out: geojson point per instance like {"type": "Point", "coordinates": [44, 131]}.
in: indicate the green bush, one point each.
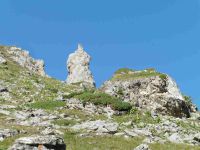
{"type": "Point", "coordinates": [98, 98]}
{"type": "Point", "coordinates": [163, 76]}
{"type": "Point", "coordinates": [71, 95]}
{"type": "Point", "coordinates": [48, 104]}
{"type": "Point", "coordinates": [188, 99]}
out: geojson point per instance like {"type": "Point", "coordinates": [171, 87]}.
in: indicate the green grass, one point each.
{"type": "Point", "coordinates": [115, 143]}
{"type": "Point", "coordinates": [137, 117]}
{"type": "Point", "coordinates": [190, 125]}
{"type": "Point", "coordinates": [124, 71]}
{"type": "Point", "coordinates": [128, 74]}
{"type": "Point", "coordinates": [83, 116]}
{"type": "Point", "coordinates": [171, 146]}
{"type": "Point", "coordinates": [99, 142]}
{"type": "Point", "coordinates": [48, 105]}
{"type": "Point", "coordinates": [98, 98]}
{"type": "Point", "coordinates": [4, 145]}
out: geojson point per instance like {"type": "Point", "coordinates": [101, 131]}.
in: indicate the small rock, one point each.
{"type": "Point", "coordinates": [130, 133]}
{"type": "Point", "coordinates": [142, 147]}
{"type": "Point", "coordinates": [197, 137]}
{"type": "Point", "coordinates": [175, 138]}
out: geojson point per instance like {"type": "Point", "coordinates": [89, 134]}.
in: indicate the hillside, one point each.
{"type": "Point", "coordinates": [134, 108]}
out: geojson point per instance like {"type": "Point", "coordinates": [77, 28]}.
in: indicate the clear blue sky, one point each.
{"type": "Point", "coordinates": [133, 33]}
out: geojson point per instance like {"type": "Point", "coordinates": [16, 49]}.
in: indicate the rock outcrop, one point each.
{"type": "Point", "coordinates": [49, 142]}
{"type": "Point", "coordinates": [78, 68]}
{"type": "Point", "coordinates": [148, 90]}
{"type": "Point", "coordinates": [25, 60]}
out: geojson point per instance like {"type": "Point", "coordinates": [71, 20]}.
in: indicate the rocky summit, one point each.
{"type": "Point", "coordinates": [134, 110]}
{"type": "Point", "coordinates": [149, 90]}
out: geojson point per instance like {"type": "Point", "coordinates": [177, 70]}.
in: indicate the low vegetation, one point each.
{"type": "Point", "coordinates": [102, 99]}
{"type": "Point", "coordinates": [74, 142]}
{"type": "Point", "coordinates": [127, 74]}
{"type": "Point", "coordinates": [48, 105]}
{"type": "Point", "coordinates": [137, 116]}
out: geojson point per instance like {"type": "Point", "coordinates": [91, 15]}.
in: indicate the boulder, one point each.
{"type": "Point", "coordinates": [49, 142]}
{"type": "Point", "coordinates": [5, 133]}
{"type": "Point", "coordinates": [78, 68]}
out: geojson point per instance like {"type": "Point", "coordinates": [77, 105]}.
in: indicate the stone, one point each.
{"type": "Point", "coordinates": [142, 147]}
{"type": "Point", "coordinates": [5, 133]}
{"type": "Point", "coordinates": [78, 68]}
{"type": "Point", "coordinates": [48, 142]}
{"type": "Point", "coordinates": [175, 138]}
{"type": "Point", "coordinates": [197, 137]}
{"type": "Point", "coordinates": [2, 60]}
{"type": "Point", "coordinates": [161, 95]}
{"type": "Point", "coordinates": [51, 131]}
{"type": "Point", "coordinates": [130, 133]}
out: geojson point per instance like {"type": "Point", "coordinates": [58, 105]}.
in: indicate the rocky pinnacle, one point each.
{"type": "Point", "coordinates": [78, 68]}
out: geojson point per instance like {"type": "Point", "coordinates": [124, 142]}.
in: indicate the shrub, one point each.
{"type": "Point", "coordinates": [48, 104]}
{"type": "Point", "coordinates": [188, 99]}
{"type": "Point", "coordinates": [163, 76]}
{"type": "Point", "coordinates": [71, 95]}
{"type": "Point", "coordinates": [133, 110]}
{"type": "Point", "coordinates": [98, 98]}
{"type": "Point", "coordinates": [151, 70]}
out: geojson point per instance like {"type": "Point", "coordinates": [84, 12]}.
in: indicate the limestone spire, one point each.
{"type": "Point", "coordinates": [80, 47]}
{"type": "Point", "coordinates": [78, 68]}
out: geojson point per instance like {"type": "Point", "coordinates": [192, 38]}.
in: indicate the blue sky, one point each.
{"type": "Point", "coordinates": [134, 33]}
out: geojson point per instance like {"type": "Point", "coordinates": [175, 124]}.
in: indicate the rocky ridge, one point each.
{"type": "Point", "coordinates": [23, 58]}
{"type": "Point", "coordinates": [149, 90]}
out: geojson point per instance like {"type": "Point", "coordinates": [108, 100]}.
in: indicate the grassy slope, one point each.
{"type": "Point", "coordinates": [24, 85]}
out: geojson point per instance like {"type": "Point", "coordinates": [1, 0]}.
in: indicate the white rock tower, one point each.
{"type": "Point", "coordinates": [78, 68]}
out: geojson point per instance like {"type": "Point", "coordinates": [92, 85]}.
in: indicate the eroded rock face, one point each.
{"type": "Point", "coordinates": [25, 60]}
{"type": "Point", "coordinates": [78, 68]}
{"type": "Point", "coordinates": [151, 93]}
{"type": "Point", "coordinates": [49, 142]}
